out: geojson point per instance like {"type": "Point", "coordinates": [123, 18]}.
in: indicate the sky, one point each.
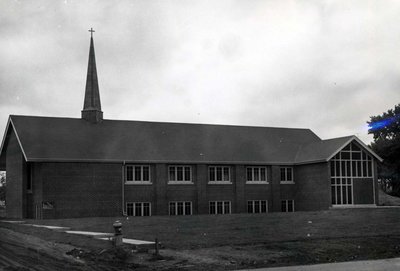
{"type": "Point", "coordinates": [323, 65]}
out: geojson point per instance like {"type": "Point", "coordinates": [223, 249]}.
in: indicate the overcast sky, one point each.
{"type": "Point", "coordinates": [323, 65]}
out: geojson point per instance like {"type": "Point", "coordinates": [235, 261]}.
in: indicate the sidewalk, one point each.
{"type": "Point", "coordinates": [372, 265]}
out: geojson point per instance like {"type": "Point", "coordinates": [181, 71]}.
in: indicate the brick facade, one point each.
{"type": "Point", "coordinates": [310, 190]}
{"type": "Point", "coordinates": [16, 179]}
{"type": "Point", "coordinates": [99, 189]}
{"type": "Point", "coordinates": [312, 187]}
{"type": "Point", "coordinates": [80, 189]}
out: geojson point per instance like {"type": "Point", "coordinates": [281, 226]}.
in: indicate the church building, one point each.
{"type": "Point", "coordinates": [90, 166]}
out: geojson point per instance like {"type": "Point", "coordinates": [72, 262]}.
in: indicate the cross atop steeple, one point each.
{"type": "Point", "coordinates": [92, 106]}
{"type": "Point", "coordinates": [91, 32]}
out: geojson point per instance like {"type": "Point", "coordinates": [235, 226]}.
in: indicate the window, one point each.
{"type": "Point", "coordinates": [256, 174]}
{"type": "Point", "coordinates": [138, 208]}
{"type": "Point", "coordinates": [180, 208]}
{"type": "Point", "coordinates": [257, 206]}
{"type": "Point", "coordinates": [350, 163]}
{"type": "Point", "coordinates": [180, 174]}
{"type": "Point", "coordinates": [219, 174]}
{"type": "Point", "coordinates": [137, 174]}
{"type": "Point", "coordinates": [287, 175]}
{"type": "Point", "coordinates": [288, 205]}
{"type": "Point", "coordinates": [220, 207]}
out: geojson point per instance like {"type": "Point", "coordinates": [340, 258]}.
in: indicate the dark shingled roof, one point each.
{"type": "Point", "coordinates": [69, 139]}
{"type": "Point", "coordinates": [321, 150]}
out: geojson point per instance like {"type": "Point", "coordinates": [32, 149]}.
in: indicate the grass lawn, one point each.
{"type": "Point", "coordinates": [202, 231]}
{"type": "Point", "coordinates": [227, 242]}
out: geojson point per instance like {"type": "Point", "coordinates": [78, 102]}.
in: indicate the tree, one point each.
{"type": "Point", "coordinates": [2, 185]}
{"type": "Point", "coordinates": [386, 131]}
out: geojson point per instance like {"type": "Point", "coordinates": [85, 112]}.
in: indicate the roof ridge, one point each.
{"type": "Point", "coordinates": [170, 122]}
{"type": "Point", "coordinates": [341, 137]}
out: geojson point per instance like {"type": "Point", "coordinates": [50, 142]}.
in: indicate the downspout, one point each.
{"type": "Point", "coordinates": [123, 188]}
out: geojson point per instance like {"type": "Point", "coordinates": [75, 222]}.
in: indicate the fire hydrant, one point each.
{"type": "Point", "coordinates": [117, 233]}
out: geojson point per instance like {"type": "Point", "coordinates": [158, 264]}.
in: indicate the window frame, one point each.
{"type": "Point", "coordinates": [253, 206]}
{"type": "Point", "coordinates": [142, 208]}
{"type": "Point", "coordinates": [285, 181]}
{"type": "Point", "coordinates": [353, 162]}
{"type": "Point", "coordinates": [259, 181]}
{"type": "Point", "coordinates": [361, 167]}
{"type": "Point", "coordinates": [287, 206]}
{"type": "Point", "coordinates": [137, 182]}
{"type": "Point", "coordinates": [215, 177]}
{"type": "Point", "coordinates": [216, 205]}
{"type": "Point", "coordinates": [176, 204]}
{"type": "Point", "coordinates": [190, 181]}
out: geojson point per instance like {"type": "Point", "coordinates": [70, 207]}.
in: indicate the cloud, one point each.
{"type": "Point", "coordinates": [324, 65]}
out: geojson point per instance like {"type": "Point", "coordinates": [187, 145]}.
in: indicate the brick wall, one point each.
{"type": "Point", "coordinates": [94, 189]}
{"type": "Point", "coordinates": [16, 174]}
{"type": "Point", "coordinates": [37, 190]}
{"type": "Point", "coordinates": [201, 185]}
{"type": "Point", "coordinates": [312, 187]}
{"type": "Point", "coordinates": [160, 196]}
{"type": "Point", "coordinates": [200, 193]}
{"type": "Point", "coordinates": [82, 189]}
{"type": "Point", "coordinates": [275, 202]}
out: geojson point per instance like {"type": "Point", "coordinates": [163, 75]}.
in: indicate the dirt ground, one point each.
{"type": "Point", "coordinates": [39, 250]}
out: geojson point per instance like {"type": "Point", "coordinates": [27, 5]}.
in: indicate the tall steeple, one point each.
{"type": "Point", "coordinates": [92, 106]}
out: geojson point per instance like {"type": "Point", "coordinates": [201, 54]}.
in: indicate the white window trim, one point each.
{"type": "Point", "coordinates": [138, 183]}
{"type": "Point", "coordinates": [176, 208]}
{"type": "Point", "coordinates": [358, 161]}
{"type": "Point", "coordinates": [180, 182]}
{"type": "Point", "coordinates": [133, 182]}
{"type": "Point", "coordinates": [219, 182]}
{"type": "Point", "coordinates": [176, 172]}
{"type": "Point", "coordinates": [134, 207]}
{"type": "Point", "coordinates": [253, 206]}
{"type": "Point", "coordinates": [287, 182]}
{"type": "Point", "coordinates": [257, 182]}
{"type": "Point", "coordinates": [215, 175]}
{"type": "Point", "coordinates": [223, 207]}
{"type": "Point", "coordinates": [287, 205]}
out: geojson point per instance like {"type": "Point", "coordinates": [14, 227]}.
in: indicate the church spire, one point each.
{"type": "Point", "coordinates": [92, 107]}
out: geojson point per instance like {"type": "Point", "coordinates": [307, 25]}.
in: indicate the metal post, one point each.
{"type": "Point", "coordinates": [156, 247]}
{"type": "Point", "coordinates": [117, 233]}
